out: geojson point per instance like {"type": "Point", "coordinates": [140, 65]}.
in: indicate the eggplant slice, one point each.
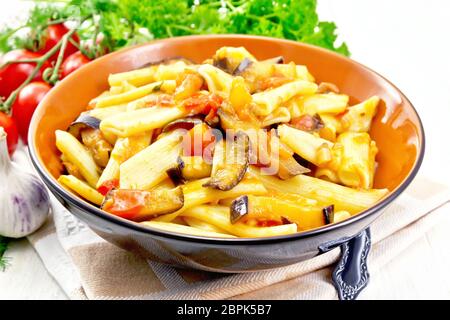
{"type": "Point", "coordinates": [275, 60]}
{"type": "Point", "coordinates": [175, 173]}
{"type": "Point", "coordinates": [238, 208]}
{"type": "Point", "coordinates": [185, 123]}
{"type": "Point", "coordinates": [150, 203]}
{"type": "Point", "coordinates": [82, 122]}
{"type": "Point", "coordinates": [242, 67]}
{"type": "Point", "coordinates": [328, 214]}
{"type": "Point", "coordinates": [289, 168]}
{"type": "Point", "coordinates": [231, 168]}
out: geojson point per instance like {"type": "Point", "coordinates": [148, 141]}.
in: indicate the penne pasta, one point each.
{"type": "Point", "coordinates": [359, 117]}
{"type": "Point", "coordinates": [113, 100]}
{"type": "Point", "coordinates": [173, 227]}
{"type": "Point", "coordinates": [303, 143]}
{"type": "Point", "coordinates": [136, 77]}
{"type": "Point", "coordinates": [195, 167]}
{"type": "Point", "coordinates": [148, 167]}
{"type": "Point", "coordinates": [303, 73]}
{"type": "Point", "coordinates": [81, 188]}
{"type": "Point", "coordinates": [134, 122]}
{"type": "Point", "coordinates": [325, 192]}
{"type": "Point", "coordinates": [325, 103]}
{"type": "Point", "coordinates": [103, 113]}
{"type": "Point", "coordinates": [220, 217]}
{"type": "Point", "coordinates": [195, 194]}
{"type": "Point", "coordinates": [358, 160]}
{"type": "Point", "coordinates": [268, 101]}
{"type": "Point", "coordinates": [276, 209]}
{"type": "Point", "coordinates": [216, 79]}
{"type": "Point", "coordinates": [200, 224]}
{"type": "Point", "coordinates": [279, 115]}
{"type": "Point", "coordinates": [78, 155]}
{"type": "Point", "coordinates": [123, 150]}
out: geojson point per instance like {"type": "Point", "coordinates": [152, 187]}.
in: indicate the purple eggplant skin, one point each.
{"type": "Point", "coordinates": [222, 64]}
{"type": "Point", "coordinates": [175, 173]}
{"type": "Point", "coordinates": [227, 177]}
{"type": "Point", "coordinates": [238, 209]}
{"type": "Point", "coordinates": [242, 66]}
{"type": "Point", "coordinates": [328, 214]}
{"type": "Point", "coordinates": [82, 122]}
{"type": "Point", "coordinates": [184, 123]}
{"type": "Point", "coordinates": [275, 60]}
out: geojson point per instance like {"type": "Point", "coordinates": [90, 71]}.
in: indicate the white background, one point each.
{"type": "Point", "coordinates": [406, 41]}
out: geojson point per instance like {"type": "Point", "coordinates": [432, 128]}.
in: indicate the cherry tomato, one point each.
{"type": "Point", "coordinates": [11, 131]}
{"type": "Point", "coordinates": [53, 34]}
{"type": "Point", "coordinates": [27, 101]}
{"type": "Point", "coordinates": [13, 75]}
{"type": "Point", "coordinates": [107, 186]}
{"type": "Point", "coordinates": [72, 63]}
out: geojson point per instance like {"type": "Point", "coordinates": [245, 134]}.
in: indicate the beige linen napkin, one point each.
{"type": "Point", "coordinates": [87, 267]}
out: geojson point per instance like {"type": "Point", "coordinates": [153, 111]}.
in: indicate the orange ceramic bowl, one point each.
{"type": "Point", "coordinates": [397, 130]}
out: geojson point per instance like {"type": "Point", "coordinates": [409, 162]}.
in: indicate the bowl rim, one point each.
{"type": "Point", "coordinates": [85, 206]}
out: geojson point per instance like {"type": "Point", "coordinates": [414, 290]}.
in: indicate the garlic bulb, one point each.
{"type": "Point", "coordinates": [24, 201]}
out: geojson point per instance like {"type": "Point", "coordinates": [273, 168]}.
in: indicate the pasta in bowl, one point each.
{"type": "Point", "coordinates": [229, 159]}
{"type": "Point", "coordinates": [231, 147]}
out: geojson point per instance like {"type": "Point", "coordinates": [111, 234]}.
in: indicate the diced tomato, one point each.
{"type": "Point", "coordinates": [199, 142]}
{"type": "Point", "coordinates": [108, 185]}
{"type": "Point", "coordinates": [201, 103]}
{"type": "Point", "coordinates": [272, 82]}
{"type": "Point", "coordinates": [307, 122]}
{"type": "Point", "coordinates": [126, 204]}
{"type": "Point", "coordinates": [162, 100]}
{"type": "Point", "coordinates": [268, 223]}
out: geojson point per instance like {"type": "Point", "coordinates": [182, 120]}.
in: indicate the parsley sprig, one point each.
{"type": "Point", "coordinates": [4, 261]}
{"type": "Point", "coordinates": [114, 24]}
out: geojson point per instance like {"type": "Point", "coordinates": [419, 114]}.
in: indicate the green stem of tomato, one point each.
{"type": "Point", "coordinates": [62, 44]}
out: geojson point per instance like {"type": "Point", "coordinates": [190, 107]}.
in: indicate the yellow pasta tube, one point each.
{"type": "Point", "coordinates": [103, 113]}
{"type": "Point", "coordinates": [220, 217]}
{"type": "Point", "coordinates": [148, 167]}
{"type": "Point", "coordinates": [269, 100]}
{"type": "Point", "coordinates": [303, 143]}
{"type": "Point", "coordinates": [78, 155]}
{"type": "Point", "coordinates": [173, 227]}
{"type": "Point", "coordinates": [303, 73]}
{"type": "Point", "coordinates": [341, 216]}
{"type": "Point", "coordinates": [170, 71]}
{"type": "Point", "coordinates": [325, 192]}
{"type": "Point", "coordinates": [195, 167]}
{"type": "Point", "coordinates": [136, 77]}
{"type": "Point", "coordinates": [166, 86]}
{"type": "Point", "coordinates": [288, 70]}
{"type": "Point", "coordinates": [325, 103]}
{"type": "Point", "coordinates": [357, 165]}
{"type": "Point", "coordinates": [81, 188]}
{"type": "Point", "coordinates": [123, 150]}
{"type": "Point", "coordinates": [138, 121]}
{"type": "Point", "coordinates": [216, 79]}
{"type": "Point", "coordinates": [274, 208]}
{"type": "Point", "coordinates": [327, 174]}
{"type": "Point", "coordinates": [195, 194]}
{"type": "Point", "coordinates": [359, 117]}
{"type": "Point", "coordinates": [200, 224]}
{"type": "Point", "coordinates": [279, 115]}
